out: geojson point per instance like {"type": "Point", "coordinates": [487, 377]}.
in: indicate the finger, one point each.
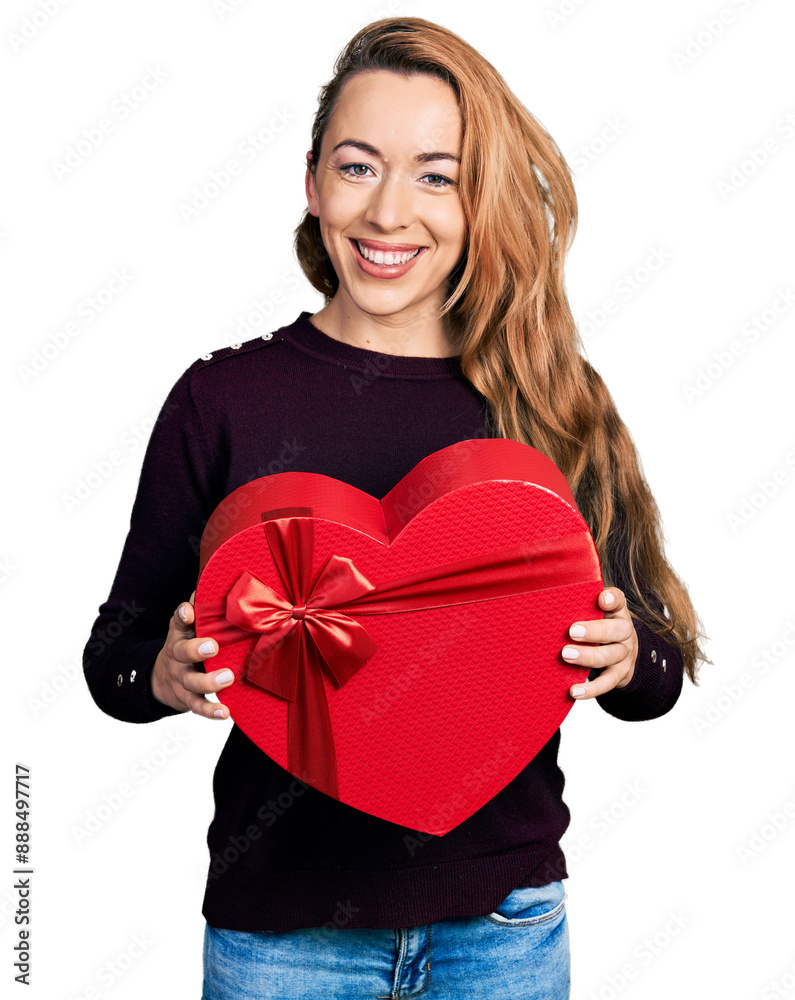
{"type": "Point", "coordinates": [594, 656]}
{"type": "Point", "coordinates": [183, 616]}
{"type": "Point", "coordinates": [612, 599]}
{"type": "Point", "coordinates": [200, 705]}
{"type": "Point", "coordinates": [197, 681]}
{"type": "Point", "coordinates": [606, 681]}
{"type": "Point", "coordinates": [194, 649]}
{"type": "Point", "coordinates": [602, 630]}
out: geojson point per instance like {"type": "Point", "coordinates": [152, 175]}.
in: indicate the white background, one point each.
{"type": "Point", "coordinates": [698, 840]}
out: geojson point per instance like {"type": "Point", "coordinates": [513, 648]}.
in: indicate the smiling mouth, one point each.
{"type": "Point", "coordinates": [386, 258]}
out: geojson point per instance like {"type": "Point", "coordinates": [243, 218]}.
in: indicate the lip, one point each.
{"type": "Point", "coordinates": [380, 270]}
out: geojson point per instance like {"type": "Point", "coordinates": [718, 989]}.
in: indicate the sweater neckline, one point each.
{"type": "Point", "coordinates": [308, 338]}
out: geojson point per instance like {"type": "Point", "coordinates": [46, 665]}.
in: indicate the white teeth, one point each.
{"type": "Point", "coordinates": [385, 259]}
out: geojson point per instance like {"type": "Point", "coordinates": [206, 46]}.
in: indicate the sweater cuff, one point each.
{"type": "Point", "coordinates": [126, 693]}
{"type": "Point", "coordinates": [656, 681]}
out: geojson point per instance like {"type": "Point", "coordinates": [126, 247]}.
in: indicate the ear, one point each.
{"type": "Point", "coordinates": [311, 189]}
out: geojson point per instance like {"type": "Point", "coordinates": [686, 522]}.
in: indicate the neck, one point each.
{"type": "Point", "coordinates": [419, 332]}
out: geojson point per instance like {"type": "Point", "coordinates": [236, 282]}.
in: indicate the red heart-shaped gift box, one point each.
{"type": "Point", "coordinates": [401, 655]}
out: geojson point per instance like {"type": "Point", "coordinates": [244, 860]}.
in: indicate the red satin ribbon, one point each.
{"type": "Point", "coordinates": [315, 629]}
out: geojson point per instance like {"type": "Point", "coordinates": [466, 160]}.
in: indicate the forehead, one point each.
{"type": "Point", "coordinates": [391, 110]}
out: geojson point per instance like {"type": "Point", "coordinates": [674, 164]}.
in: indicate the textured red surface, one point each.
{"type": "Point", "coordinates": [456, 701]}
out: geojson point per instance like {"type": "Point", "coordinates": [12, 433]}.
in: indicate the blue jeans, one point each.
{"type": "Point", "coordinates": [519, 950]}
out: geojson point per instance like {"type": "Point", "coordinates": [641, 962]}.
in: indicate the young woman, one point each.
{"type": "Point", "coordinates": [439, 215]}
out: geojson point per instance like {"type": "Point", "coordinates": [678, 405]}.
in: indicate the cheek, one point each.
{"type": "Point", "coordinates": [340, 204]}
{"type": "Point", "coordinates": [451, 227]}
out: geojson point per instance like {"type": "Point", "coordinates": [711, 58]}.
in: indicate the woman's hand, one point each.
{"type": "Point", "coordinates": [618, 650]}
{"type": "Point", "coordinates": [176, 680]}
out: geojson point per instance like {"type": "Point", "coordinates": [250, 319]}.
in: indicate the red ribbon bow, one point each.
{"type": "Point", "coordinates": [307, 632]}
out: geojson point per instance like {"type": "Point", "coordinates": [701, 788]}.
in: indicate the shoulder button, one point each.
{"type": "Point", "coordinates": [241, 346]}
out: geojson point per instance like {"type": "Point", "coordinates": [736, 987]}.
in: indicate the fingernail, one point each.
{"type": "Point", "coordinates": [608, 597]}
{"type": "Point", "coordinates": [570, 653]}
{"type": "Point", "coordinates": [577, 631]}
{"type": "Point", "coordinates": [181, 612]}
{"type": "Point", "coordinates": [219, 713]}
{"type": "Point", "coordinates": [224, 677]}
{"type": "Point", "coordinates": [208, 646]}
{"type": "Point", "coordinates": [578, 690]}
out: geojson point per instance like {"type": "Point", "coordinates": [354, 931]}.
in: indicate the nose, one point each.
{"type": "Point", "coordinates": [391, 204]}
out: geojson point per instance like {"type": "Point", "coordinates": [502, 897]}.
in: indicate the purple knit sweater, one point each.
{"type": "Point", "coordinates": [281, 854]}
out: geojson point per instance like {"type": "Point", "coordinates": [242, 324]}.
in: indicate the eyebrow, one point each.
{"type": "Point", "coordinates": [419, 158]}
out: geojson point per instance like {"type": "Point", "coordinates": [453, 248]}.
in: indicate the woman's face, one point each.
{"type": "Point", "coordinates": [387, 184]}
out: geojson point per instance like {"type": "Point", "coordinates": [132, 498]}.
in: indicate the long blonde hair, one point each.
{"type": "Point", "coordinates": [508, 313]}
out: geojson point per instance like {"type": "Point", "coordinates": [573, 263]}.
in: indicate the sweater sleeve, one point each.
{"type": "Point", "coordinates": [158, 567]}
{"type": "Point", "coordinates": [656, 683]}
{"type": "Point", "coordinates": [657, 680]}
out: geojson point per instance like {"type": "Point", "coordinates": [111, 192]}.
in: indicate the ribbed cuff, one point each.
{"type": "Point", "coordinates": [125, 692]}
{"type": "Point", "coordinates": [655, 684]}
